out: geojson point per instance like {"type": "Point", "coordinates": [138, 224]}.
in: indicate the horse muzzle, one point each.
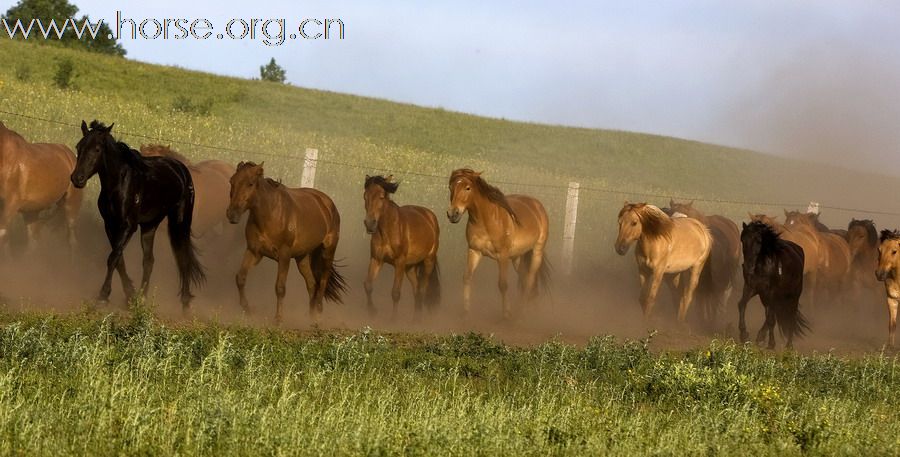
{"type": "Point", "coordinates": [371, 226]}
{"type": "Point", "coordinates": [233, 215]}
{"type": "Point", "coordinates": [78, 181]}
{"type": "Point", "coordinates": [881, 275]}
{"type": "Point", "coordinates": [454, 215]}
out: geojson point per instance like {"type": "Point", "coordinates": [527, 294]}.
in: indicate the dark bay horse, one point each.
{"type": "Point", "coordinates": [287, 224]}
{"type": "Point", "coordinates": [773, 269]}
{"type": "Point", "coordinates": [721, 269]}
{"type": "Point", "coordinates": [665, 245]}
{"type": "Point", "coordinates": [834, 253]}
{"type": "Point", "coordinates": [862, 238]}
{"type": "Point", "coordinates": [805, 237]}
{"type": "Point", "coordinates": [139, 192]}
{"type": "Point", "coordinates": [211, 186]}
{"type": "Point", "coordinates": [34, 177]}
{"type": "Point", "coordinates": [403, 236]}
{"type": "Point", "coordinates": [888, 271]}
{"type": "Point", "coordinates": [511, 229]}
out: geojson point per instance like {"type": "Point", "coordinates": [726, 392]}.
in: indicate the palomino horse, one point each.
{"type": "Point", "coordinates": [665, 245]}
{"type": "Point", "coordinates": [718, 277]}
{"type": "Point", "coordinates": [139, 192]}
{"type": "Point", "coordinates": [287, 224]}
{"type": "Point", "coordinates": [834, 252]}
{"type": "Point", "coordinates": [34, 177]}
{"type": "Point", "coordinates": [405, 237]}
{"type": "Point", "coordinates": [804, 237]}
{"type": "Point", "coordinates": [508, 228]}
{"type": "Point", "coordinates": [210, 186]}
{"type": "Point", "coordinates": [863, 240]}
{"type": "Point", "coordinates": [773, 269]}
{"type": "Point", "coordinates": [888, 271]}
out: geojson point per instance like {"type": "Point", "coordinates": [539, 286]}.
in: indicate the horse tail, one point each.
{"type": "Point", "coordinates": [336, 285]}
{"type": "Point", "coordinates": [791, 321]}
{"type": "Point", "coordinates": [433, 294]}
{"type": "Point", "coordinates": [190, 271]}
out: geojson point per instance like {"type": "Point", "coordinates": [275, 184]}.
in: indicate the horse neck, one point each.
{"type": "Point", "coordinates": [481, 209]}
{"type": "Point", "coordinates": [111, 165]}
{"type": "Point", "coordinates": [390, 217]}
{"type": "Point", "coordinates": [265, 202]}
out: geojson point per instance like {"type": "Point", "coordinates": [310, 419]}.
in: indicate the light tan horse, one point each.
{"type": "Point", "coordinates": [34, 177]}
{"type": "Point", "coordinates": [210, 187]}
{"type": "Point", "coordinates": [511, 229]}
{"type": "Point", "coordinates": [834, 252]}
{"type": "Point", "coordinates": [888, 271]}
{"type": "Point", "coordinates": [718, 278]}
{"type": "Point", "coordinates": [804, 237]}
{"type": "Point", "coordinates": [665, 245]}
{"type": "Point", "coordinates": [406, 237]}
{"type": "Point", "coordinates": [285, 224]}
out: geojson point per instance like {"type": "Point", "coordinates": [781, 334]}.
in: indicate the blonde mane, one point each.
{"type": "Point", "coordinates": [654, 222]}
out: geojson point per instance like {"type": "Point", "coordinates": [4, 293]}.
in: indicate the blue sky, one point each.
{"type": "Point", "coordinates": [815, 79]}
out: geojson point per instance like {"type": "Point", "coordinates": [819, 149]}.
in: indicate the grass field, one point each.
{"type": "Point", "coordinates": [89, 386]}
{"type": "Point", "coordinates": [95, 384]}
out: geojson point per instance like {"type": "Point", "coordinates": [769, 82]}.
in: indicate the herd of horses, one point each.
{"type": "Point", "coordinates": [702, 255]}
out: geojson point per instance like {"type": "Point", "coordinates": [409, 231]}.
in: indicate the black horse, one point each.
{"type": "Point", "coordinates": [773, 269]}
{"type": "Point", "coordinates": [138, 191]}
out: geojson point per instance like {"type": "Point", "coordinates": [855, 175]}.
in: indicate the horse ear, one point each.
{"type": "Point", "coordinates": [259, 168]}
{"type": "Point", "coordinates": [478, 173]}
{"type": "Point", "coordinates": [84, 127]}
{"type": "Point", "coordinates": [691, 204]}
{"type": "Point", "coordinates": [744, 224]}
{"type": "Point", "coordinates": [750, 214]}
{"type": "Point", "coordinates": [109, 129]}
{"type": "Point", "coordinates": [671, 203]}
{"type": "Point", "coordinates": [785, 213]}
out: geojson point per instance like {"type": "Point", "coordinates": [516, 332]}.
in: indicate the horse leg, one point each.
{"type": "Point", "coordinates": [148, 235]}
{"type": "Point", "coordinates": [428, 267]}
{"type": "Point", "coordinates": [688, 294]}
{"type": "Point", "coordinates": [503, 285]}
{"type": "Point", "coordinates": [399, 271]}
{"type": "Point", "coordinates": [649, 291]}
{"type": "Point", "coordinates": [250, 260]}
{"type": "Point", "coordinates": [418, 296]}
{"type": "Point", "coordinates": [71, 206]}
{"type": "Point", "coordinates": [810, 283]}
{"type": "Point", "coordinates": [471, 264]}
{"type": "Point", "coordinates": [374, 269]}
{"type": "Point", "coordinates": [892, 318]}
{"type": "Point", "coordinates": [284, 264]}
{"type": "Point", "coordinates": [33, 225]}
{"type": "Point", "coordinates": [305, 269]}
{"type": "Point", "coordinates": [117, 240]}
{"type": "Point", "coordinates": [768, 324]}
{"type": "Point", "coordinates": [742, 308]}
{"type": "Point", "coordinates": [537, 261]}
{"type": "Point", "coordinates": [10, 207]}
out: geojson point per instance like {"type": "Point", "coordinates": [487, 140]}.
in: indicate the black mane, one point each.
{"type": "Point", "coordinates": [869, 227]}
{"type": "Point", "coordinates": [768, 236]}
{"type": "Point", "coordinates": [388, 186]}
{"type": "Point", "coordinates": [131, 156]}
{"type": "Point", "coordinates": [889, 235]}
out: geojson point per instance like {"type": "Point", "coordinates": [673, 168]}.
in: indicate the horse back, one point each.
{"type": "Point", "coordinates": [789, 268]}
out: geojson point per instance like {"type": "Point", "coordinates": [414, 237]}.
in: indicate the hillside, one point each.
{"type": "Point", "coordinates": [179, 106]}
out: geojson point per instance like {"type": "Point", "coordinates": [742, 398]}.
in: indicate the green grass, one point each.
{"type": "Point", "coordinates": [82, 385]}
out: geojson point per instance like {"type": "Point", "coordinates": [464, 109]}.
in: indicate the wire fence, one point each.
{"type": "Point", "coordinates": [599, 190]}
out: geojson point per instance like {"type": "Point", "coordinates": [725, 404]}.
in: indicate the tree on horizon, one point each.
{"type": "Point", "coordinates": [61, 11]}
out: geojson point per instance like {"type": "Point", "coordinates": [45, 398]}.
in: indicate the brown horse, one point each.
{"type": "Point", "coordinates": [888, 271]}
{"type": "Point", "coordinates": [834, 252]}
{"type": "Point", "coordinates": [719, 273]}
{"type": "Point", "coordinates": [405, 237]}
{"type": "Point", "coordinates": [806, 238]}
{"type": "Point", "coordinates": [507, 228]}
{"type": "Point", "coordinates": [287, 224]}
{"type": "Point", "coordinates": [210, 187]}
{"type": "Point", "coordinates": [665, 245]}
{"type": "Point", "coordinates": [863, 240]}
{"type": "Point", "coordinates": [34, 177]}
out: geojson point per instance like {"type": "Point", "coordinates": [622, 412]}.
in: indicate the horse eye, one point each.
{"type": "Point", "coordinates": [468, 188]}
{"type": "Point", "coordinates": [633, 224]}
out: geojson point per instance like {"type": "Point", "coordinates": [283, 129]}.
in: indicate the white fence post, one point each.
{"type": "Point", "coordinates": [569, 229]}
{"type": "Point", "coordinates": [309, 168]}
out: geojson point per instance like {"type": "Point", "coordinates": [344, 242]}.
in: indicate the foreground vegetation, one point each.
{"type": "Point", "coordinates": [93, 385]}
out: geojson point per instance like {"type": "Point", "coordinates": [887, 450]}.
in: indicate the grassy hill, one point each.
{"type": "Point", "coordinates": [179, 106]}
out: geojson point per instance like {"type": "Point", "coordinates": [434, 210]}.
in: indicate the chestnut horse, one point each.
{"type": "Point", "coordinates": [34, 177]}
{"type": "Point", "coordinates": [834, 252]}
{"type": "Point", "coordinates": [210, 185]}
{"type": "Point", "coordinates": [863, 240]}
{"type": "Point", "coordinates": [665, 245]}
{"type": "Point", "coordinates": [507, 228]}
{"type": "Point", "coordinates": [719, 274]}
{"type": "Point", "coordinates": [806, 238]}
{"type": "Point", "coordinates": [888, 271]}
{"type": "Point", "coordinates": [287, 224]}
